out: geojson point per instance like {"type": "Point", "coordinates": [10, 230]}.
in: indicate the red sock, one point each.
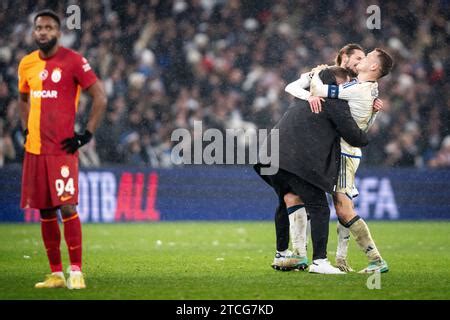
{"type": "Point", "coordinates": [72, 234]}
{"type": "Point", "coordinates": [52, 239]}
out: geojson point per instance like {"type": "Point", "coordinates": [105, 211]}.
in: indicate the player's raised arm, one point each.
{"type": "Point", "coordinates": [298, 87]}
{"type": "Point", "coordinates": [319, 89]}
{"type": "Point", "coordinates": [298, 90]}
{"type": "Point", "coordinates": [352, 90]}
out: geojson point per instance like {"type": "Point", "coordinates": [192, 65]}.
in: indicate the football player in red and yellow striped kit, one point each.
{"type": "Point", "coordinates": [50, 81]}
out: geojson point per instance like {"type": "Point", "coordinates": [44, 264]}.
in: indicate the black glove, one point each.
{"type": "Point", "coordinates": [71, 145]}
{"type": "Point", "coordinates": [25, 135]}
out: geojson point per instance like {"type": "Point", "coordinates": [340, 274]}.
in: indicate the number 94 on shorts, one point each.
{"type": "Point", "coordinates": [49, 181]}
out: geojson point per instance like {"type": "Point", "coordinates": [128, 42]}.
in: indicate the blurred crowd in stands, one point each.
{"type": "Point", "coordinates": [165, 64]}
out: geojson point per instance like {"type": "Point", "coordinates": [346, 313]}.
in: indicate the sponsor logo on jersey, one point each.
{"type": "Point", "coordinates": [43, 74]}
{"type": "Point", "coordinates": [56, 75]}
{"type": "Point", "coordinates": [53, 94]}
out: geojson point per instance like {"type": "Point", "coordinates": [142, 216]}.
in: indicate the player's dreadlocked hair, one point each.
{"type": "Point", "coordinates": [348, 50]}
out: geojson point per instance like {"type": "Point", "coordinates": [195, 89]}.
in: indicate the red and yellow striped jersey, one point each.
{"type": "Point", "coordinates": [53, 86]}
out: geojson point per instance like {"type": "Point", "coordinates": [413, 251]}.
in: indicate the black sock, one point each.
{"type": "Point", "coordinates": [282, 227]}
{"type": "Point", "coordinates": [352, 221]}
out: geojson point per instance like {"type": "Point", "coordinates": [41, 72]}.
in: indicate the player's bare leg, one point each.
{"type": "Point", "coordinates": [359, 229]}
{"type": "Point", "coordinates": [72, 235]}
{"type": "Point", "coordinates": [52, 238]}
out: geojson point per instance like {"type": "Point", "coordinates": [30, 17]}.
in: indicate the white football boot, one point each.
{"type": "Point", "coordinates": [323, 266]}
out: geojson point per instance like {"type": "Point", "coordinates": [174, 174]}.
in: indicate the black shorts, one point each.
{"type": "Point", "coordinates": [284, 182]}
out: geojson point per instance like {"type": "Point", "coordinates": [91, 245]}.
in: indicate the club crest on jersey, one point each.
{"type": "Point", "coordinates": [65, 172]}
{"type": "Point", "coordinates": [43, 74]}
{"type": "Point", "coordinates": [56, 75]}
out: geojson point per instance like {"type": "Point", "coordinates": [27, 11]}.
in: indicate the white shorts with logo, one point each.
{"type": "Point", "coordinates": [347, 173]}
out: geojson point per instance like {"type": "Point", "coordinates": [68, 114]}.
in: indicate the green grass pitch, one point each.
{"type": "Point", "coordinates": [221, 261]}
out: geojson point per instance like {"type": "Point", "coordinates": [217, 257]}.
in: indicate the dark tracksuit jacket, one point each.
{"type": "Point", "coordinates": [309, 149]}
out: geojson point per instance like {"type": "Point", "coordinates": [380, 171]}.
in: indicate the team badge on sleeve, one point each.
{"type": "Point", "coordinates": [86, 66]}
